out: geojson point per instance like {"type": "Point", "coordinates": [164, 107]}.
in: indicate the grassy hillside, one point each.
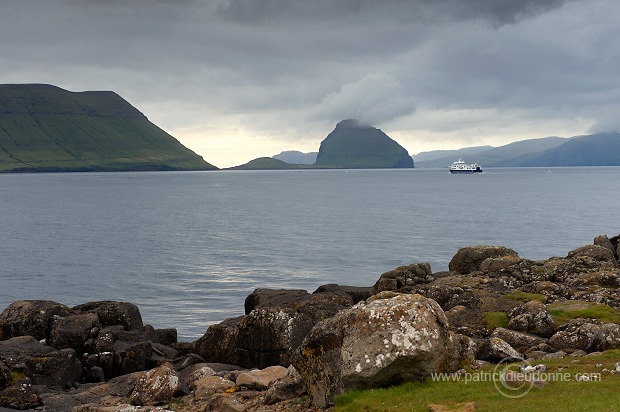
{"type": "Point", "coordinates": [352, 145]}
{"type": "Point", "coordinates": [45, 128]}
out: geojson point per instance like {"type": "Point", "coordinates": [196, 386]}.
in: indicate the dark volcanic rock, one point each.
{"type": "Point", "coordinates": [73, 331]}
{"type": "Point", "coordinates": [469, 259]}
{"type": "Point", "coordinates": [263, 298]}
{"type": "Point", "coordinates": [42, 364]}
{"type": "Point", "coordinates": [268, 335]}
{"type": "Point", "coordinates": [114, 313]}
{"type": "Point", "coordinates": [357, 293]}
{"type": "Point", "coordinates": [30, 317]}
{"type": "Point", "coordinates": [404, 276]}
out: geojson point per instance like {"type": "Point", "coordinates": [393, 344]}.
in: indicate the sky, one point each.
{"type": "Point", "coordinates": [234, 80]}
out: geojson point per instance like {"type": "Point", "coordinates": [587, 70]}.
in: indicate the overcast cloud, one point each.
{"type": "Point", "coordinates": [238, 79]}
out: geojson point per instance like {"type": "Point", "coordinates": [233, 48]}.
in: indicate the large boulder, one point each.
{"type": "Point", "coordinates": [520, 341]}
{"type": "Point", "coordinates": [269, 298]}
{"type": "Point", "coordinates": [532, 317]}
{"type": "Point", "coordinates": [469, 259]}
{"type": "Point", "coordinates": [596, 252]}
{"type": "Point", "coordinates": [73, 331]}
{"type": "Point", "coordinates": [588, 335]}
{"type": "Point", "coordinates": [31, 317]}
{"type": "Point", "coordinates": [603, 240]}
{"type": "Point", "coordinates": [404, 276]}
{"type": "Point", "coordinates": [112, 313]}
{"type": "Point", "coordinates": [496, 350]}
{"type": "Point", "coordinates": [156, 386]}
{"type": "Point", "coordinates": [379, 342]}
{"type": "Point", "coordinates": [268, 335]}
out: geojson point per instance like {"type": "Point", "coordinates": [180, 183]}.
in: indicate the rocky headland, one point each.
{"type": "Point", "coordinates": [296, 351]}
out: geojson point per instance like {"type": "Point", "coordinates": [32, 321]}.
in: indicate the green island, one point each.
{"type": "Point", "coordinates": [44, 128]}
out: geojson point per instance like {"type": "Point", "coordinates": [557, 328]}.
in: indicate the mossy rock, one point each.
{"type": "Point", "coordinates": [494, 320]}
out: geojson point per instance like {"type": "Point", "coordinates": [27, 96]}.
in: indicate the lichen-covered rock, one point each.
{"type": "Point", "coordinates": [30, 318]}
{"type": "Point", "coordinates": [112, 313]}
{"type": "Point", "coordinates": [532, 317]}
{"type": "Point", "coordinates": [208, 385]}
{"type": "Point", "coordinates": [603, 241]}
{"type": "Point", "coordinates": [469, 259]}
{"type": "Point", "coordinates": [290, 386]}
{"type": "Point", "coordinates": [607, 296]}
{"type": "Point", "coordinates": [156, 386]}
{"type": "Point", "coordinates": [403, 276]}
{"type": "Point", "coordinates": [586, 334]}
{"type": "Point", "coordinates": [192, 373]}
{"type": "Point", "coordinates": [221, 402]}
{"type": "Point", "coordinates": [596, 252]}
{"type": "Point", "coordinates": [518, 269]}
{"type": "Point", "coordinates": [376, 343]}
{"type": "Point", "coordinates": [520, 341]}
{"type": "Point", "coordinates": [260, 379]}
{"type": "Point", "coordinates": [496, 350]}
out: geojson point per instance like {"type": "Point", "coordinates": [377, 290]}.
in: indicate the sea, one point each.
{"type": "Point", "coordinates": [188, 247]}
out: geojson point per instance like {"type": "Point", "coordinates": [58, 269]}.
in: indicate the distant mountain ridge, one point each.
{"type": "Point", "coordinates": [600, 149]}
{"type": "Point", "coordinates": [494, 156]}
{"type": "Point", "coordinates": [46, 128]}
{"type": "Point", "coordinates": [296, 157]}
{"type": "Point", "coordinates": [442, 154]}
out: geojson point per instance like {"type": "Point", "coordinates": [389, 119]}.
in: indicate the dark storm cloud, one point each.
{"type": "Point", "coordinates": [495, 11]}
{"type": "Point", "coordinates": [290, 66]}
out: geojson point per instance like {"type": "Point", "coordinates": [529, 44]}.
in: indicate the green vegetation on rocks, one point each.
{"type": "Point", "coordinates": [564, 311]}
{"type": "Point", "coordinates": [44, 128]}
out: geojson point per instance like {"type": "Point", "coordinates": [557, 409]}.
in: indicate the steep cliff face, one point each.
{"type": "Point", "coordinates": [353, 144]}
{"type": "Point", "coordinates": [46, 128]}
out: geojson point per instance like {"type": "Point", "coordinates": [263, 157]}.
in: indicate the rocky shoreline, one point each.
{"type": "Point", "coordinates": [295, 351]}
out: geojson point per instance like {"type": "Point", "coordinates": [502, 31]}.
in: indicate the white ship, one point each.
{"type": "Point", "coordinates": [465, 168]}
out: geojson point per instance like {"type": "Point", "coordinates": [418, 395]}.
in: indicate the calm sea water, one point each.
{"type": "Point", "coordinates": [187, 248]}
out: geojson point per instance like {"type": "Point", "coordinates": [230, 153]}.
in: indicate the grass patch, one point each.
{"type": "Point", "coordinates": [567, 395]}
{"type": "Point", "coordinates": [524, 297]}
{"type": "Point", "coordinates": [493, 320]}
{"type": "Point", "coordinates": [564, 311]}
